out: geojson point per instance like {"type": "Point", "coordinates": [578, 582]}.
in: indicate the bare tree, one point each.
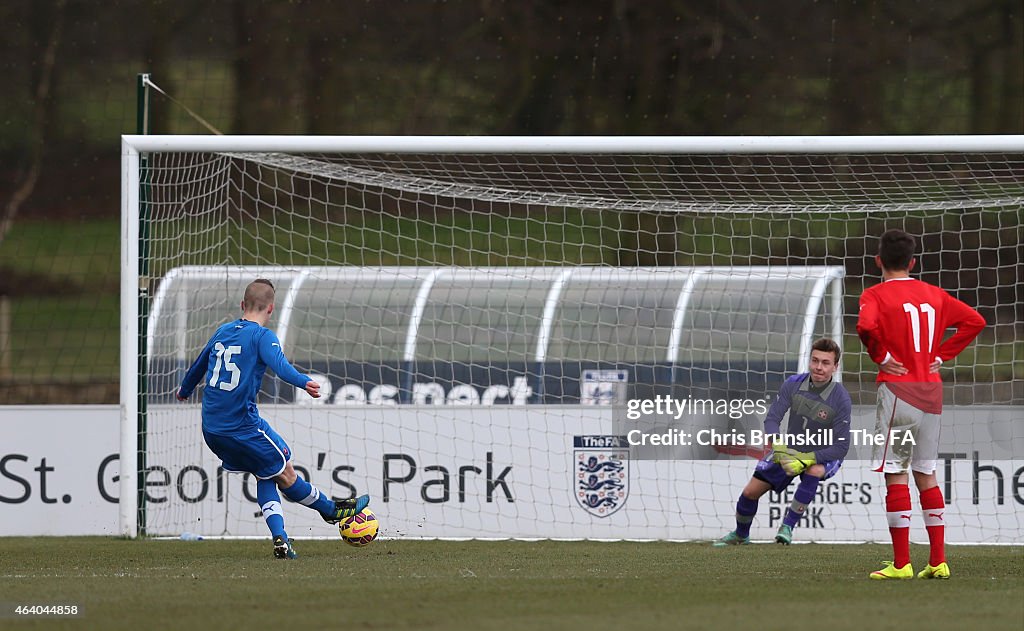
{"type": "Point", "coordinates": [41, 107]}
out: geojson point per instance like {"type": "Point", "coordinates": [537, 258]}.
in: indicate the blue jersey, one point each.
{"type": "Point", "coordinates": [811, 411]}
{"type": "Point", "coordinates": [232, 365]}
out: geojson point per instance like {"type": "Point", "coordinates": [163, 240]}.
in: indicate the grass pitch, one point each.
{"type": "Point", "coordinates": [499, 585]}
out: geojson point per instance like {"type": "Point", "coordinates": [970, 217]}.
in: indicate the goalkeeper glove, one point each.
{"type": "Point", "coordinates": [793, 462]}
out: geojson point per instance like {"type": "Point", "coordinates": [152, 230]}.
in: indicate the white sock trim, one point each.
{"type": "Point", "coordinates": [898, 519]}
{"type": "Point", "coordinates": [272, 508]}
{"type": "Point", "coordinates": [933, 516]}
{"type": "Point", "coordinates": [314, 495]}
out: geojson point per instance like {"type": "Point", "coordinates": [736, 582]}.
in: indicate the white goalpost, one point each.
{"type": "Point", "coordinates": [479, 311]}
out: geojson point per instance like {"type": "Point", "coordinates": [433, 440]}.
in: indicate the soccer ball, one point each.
{"type": "Point", "coordinates": [360, 529]}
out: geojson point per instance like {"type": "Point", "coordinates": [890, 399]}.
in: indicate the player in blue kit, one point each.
{"type": "Point", "coordinates": [232, 366]}
{"type": "Point", "coordinates": [816, 403]}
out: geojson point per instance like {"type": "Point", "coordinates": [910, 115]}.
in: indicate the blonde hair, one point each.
{"type": "Point", "coordinates": [259, 294]}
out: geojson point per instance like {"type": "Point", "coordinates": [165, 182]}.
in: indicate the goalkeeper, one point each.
{"type": "Point", "coordinates": [816, 403]}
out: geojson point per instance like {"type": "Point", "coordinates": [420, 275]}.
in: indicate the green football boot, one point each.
{"type": "Point", "coordinates": [731, 539]}
{"type": "Point", "coordinates": [343, 509]}
{"type": "Point", "coordinates": [785, 535]}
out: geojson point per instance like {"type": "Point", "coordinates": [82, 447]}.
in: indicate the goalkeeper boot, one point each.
{"type": "Point", "coordinates": [283, 548]}
{"type": "Point", "coordinates": [934, 571]}
{"type": "Point", "coordinates": [891, 571]}
{"type": "Point", "coordinates": [731, 539]}
{"type": "Point", "coordinates": [343, 509]}
{"type": "Point", "coordinates": [785, 535]}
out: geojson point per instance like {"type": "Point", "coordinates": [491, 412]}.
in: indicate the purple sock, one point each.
{"type": "Point", "coordinates": [746, 508]}
{"type": "Point", "coordinates": [804, 495]}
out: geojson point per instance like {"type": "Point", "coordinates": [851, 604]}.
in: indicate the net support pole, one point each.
{"type": "Point", "coordinates": [828, 280]}
{"type": "Point", "coordinates": [128, 482]}
{"type": "Point", "coordinates": [837, 316]}
{"type": "Point", "coordinates": [284, 322]}
{"type": "Point", "coordinates": [547, 322]}
{"type": "Point", "coordinates": [415, 317]}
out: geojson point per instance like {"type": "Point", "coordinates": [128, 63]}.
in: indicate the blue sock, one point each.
{"type": "Point", "coordinates": [804, 495]}
{"type": "Point", "coordinates": [270, 504]}
{"type": "Point", "coordinates": [746, 508]}
{"type": "Point", "coordinates": [308, 495]}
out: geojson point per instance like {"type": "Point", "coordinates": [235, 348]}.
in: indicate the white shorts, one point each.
{"type": "Point", "coordinates": [912, 436]}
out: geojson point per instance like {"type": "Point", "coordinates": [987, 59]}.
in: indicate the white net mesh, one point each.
{"type": "Point", "coordinates": [470, 315]}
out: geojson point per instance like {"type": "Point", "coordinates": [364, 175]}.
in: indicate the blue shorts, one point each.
{"type": "Point", "coordinates": [261, 452]}
{"type": "Point", "coordinates": [773, 474]}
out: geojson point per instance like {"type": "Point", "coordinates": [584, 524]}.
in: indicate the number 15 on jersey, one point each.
{"type": "Point", "coordinates": [224, 356]}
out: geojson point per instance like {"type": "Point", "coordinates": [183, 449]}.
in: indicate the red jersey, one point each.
{"type": "Point", "coordinates": [906, 319]}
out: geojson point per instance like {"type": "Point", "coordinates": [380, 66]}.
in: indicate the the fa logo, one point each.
{"type": "Point", "coordinates": [601, 473]}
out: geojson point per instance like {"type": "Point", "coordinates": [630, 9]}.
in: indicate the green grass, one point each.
{"type": "Point", "coordinates": [984, 361]}
{"type": "Point", "coordinates": [75, 337]}
{"type": "Point", "coordinates": [502, 585]}
{"type": "Point", "coordinates": [568, 237]}
{"type": "Point", "coordinates": [83, 253]}
{"type": "Point", "coordinates": [65, 310]}
{"type": "Point", "coordinates": [65, 304]}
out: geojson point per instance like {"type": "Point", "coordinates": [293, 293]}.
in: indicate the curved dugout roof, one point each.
{"type": "Point", "coordinates": [675, 315]}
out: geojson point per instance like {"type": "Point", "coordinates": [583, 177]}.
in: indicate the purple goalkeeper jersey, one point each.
{"type": "Point", "coordinates": [812, 413]}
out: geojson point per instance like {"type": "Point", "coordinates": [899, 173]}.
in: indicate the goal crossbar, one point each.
{"type": "Point", "coordinates": [579, 144]}
{"type": "Point", "coordinates": [135, 147]}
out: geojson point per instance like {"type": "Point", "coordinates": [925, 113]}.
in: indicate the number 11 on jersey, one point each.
{"type": "Point", "coordinates": [915, 323]}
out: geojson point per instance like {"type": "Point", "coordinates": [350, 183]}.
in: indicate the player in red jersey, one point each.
{"type": "Point", "coordinates": [902, 322]}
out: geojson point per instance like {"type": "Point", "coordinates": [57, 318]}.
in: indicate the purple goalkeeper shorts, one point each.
{"type": "Point", "coordinates": [773, 474]}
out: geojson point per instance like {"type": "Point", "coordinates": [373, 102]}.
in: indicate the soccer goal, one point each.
{"type": "Point", "coordinates": [481, 312]}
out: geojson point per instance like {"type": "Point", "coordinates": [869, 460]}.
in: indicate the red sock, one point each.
{"type": "Point", "coordinates": [897, 510]}
{"type": "Point", "coordinates": [934, 508]}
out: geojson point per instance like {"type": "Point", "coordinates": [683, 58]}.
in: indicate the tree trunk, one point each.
{"type": "Point", "coordinates": [42, 107]}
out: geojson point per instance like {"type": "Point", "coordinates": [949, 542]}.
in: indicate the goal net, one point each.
{"type": "Point", "coordinates": [482, 313]}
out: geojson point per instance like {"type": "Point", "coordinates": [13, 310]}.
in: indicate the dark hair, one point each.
{"type": "Point", "coordinates": [259, 294]}
{"type": "Point", "coordinates": [896, 249]}
{"type": "Point", "coordinates": [827, 345]}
